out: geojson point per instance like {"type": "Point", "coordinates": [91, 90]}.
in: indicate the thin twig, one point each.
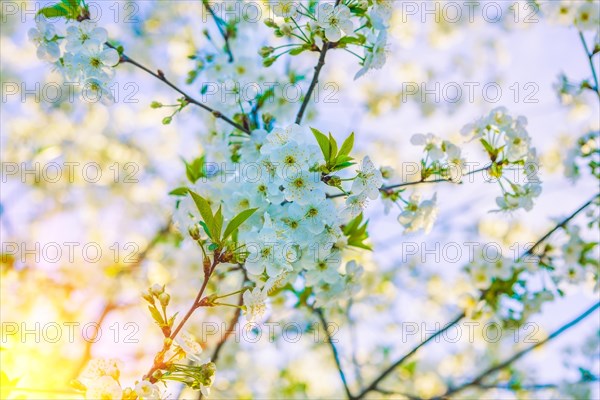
{"type": "Point", "coordinates": [352, 329]}
{"type": "Point", "coordinates": [336, 357]}
{"type": "Point", "coordinates": [401, 360]}
{"type": "Point", "coordinates": [531, 250]}
{"type": "Point", "coordinates": [384, 189]}
{"type": "Point", "coordinates": [161, 76]}
{"type": "Point", "coordinates": [516, 356]}
{"type": "Point", "coordinates": [590, 57]}
{"type": "Point", "coordinates": [313, 83]}
{"type": "Point", "coordinates": [158, 361]}
{"type": "Point", "coordinates": [224, 34]}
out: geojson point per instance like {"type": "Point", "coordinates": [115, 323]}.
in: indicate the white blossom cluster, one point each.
{"type": "Point", "coordinates": [80, 54]}
{"type": "Point", "coordinates": [362, 23]}
{"type": "Point", "coordinates": [509, 145]}
{"type": "Point", "coordinates": [296, 230]}
{"type": "Point", "coordinates": [584, 14]}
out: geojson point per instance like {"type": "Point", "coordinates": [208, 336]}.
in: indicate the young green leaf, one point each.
{"type": "Point", "coordinates": [156, 315]}
{"type": "Point", "coordinates": [56, 10]}
{"type": "Point", "coordinates": [217, 225]}
{"type": "Point", "coordinates": [237, 221]}
{"type": "Point", "coordinates": [347, 145]}
{"type": "Point", "coordinates": [323, 142]}
{"type": "Point", "coordinates": [333, 148]}
{"type": "Point", "coordinates": [180, 191]}
{"type": "Point", "coordinates": [204, 208]}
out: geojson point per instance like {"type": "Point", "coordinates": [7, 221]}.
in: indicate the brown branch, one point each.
{"type": "Point", "coordinates": [334, 351]}
{"type": "Point", "coordinates": [161, 76]}
{"type": "Point", "coordinates": [531, 250]}
{"type": "Point", "coordinates": [475, 381]}
{"type": "Point", "coordinates": [224, 34]}
{"type": "Point", "coordinates": [421, 181]}
{"type": "Point", "coordinates": [198, 302]}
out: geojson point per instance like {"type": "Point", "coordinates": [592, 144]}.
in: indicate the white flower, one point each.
{"type": "Point", "coordinates": [85, 35]}
{"type": "Point", "coordinates": [574, 248]}
{"type": "Point", "coordinates": [432, 145]}
{"type": "Point", "coordinates": [146, 390]}
{"type": "Point", "coordinates": [354, 272]}
{"type": "Point", "coordinates": [254, 302]}
{"type": "Point", "coordinates": [375, 55]}
{"type": "Point", "coordinates": [369, 179]}
{"type": "Point", "coordinates": [97, 62]}
{"type": "Point", "coordinates": [192, 349]}
{"type": "Point", "coordinates": [326, 292]}
{"type": "Point", "coordinates": [304, 187]}
{"type": "Point", "coordinates": [99, 367]}
{"type": "Point", "coordinates": [324, 269]}
{"type": "Point", "coordinates": [317, 214]}
{"type": "Point", "coordinates": [95, 90]}
{"type": "Point", "coordinates": [291, 222]}
{"type": "Point", "coordinates": [521, 198]}
{"type": "Point", "coordinates": [269, 251]}
{"type": "Point", "coordinates": [518, 144]}
{"type": "Point", "coordinates": [417, 215]}
{"type": "Point", "coordinates": [289, 159]}
{"type": "Point", "coordinates": [104, 388]}
{"type": "Point", "coordinates": [355, 204]}
{"type": "Point", "coordinates": [279, 137]}
{"type": "Point", "coordinates": [285, 8]}
{"type": "Point", "coordinates": [334, 20]}
{"type": "Point", "coordinates": [43, 36]}
{"type": "Point", "coordinates": [587, 16]}
{"type": "Point", "coordinates": [381, 13]}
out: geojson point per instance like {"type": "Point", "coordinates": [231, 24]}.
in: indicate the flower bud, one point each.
{"type": "Point", "coordinates": [266, 51]}
{"type": "Point", "coordinates": [206, 265]}
{"type": "Point", "coordinates": [267, 62]}
{"type": "Point", "coordinates": [167, 120]}
{"type": "Point", "coordinates": [155, 104]}
{"type": "Point", "coordinates": [334, 181]}
{"type": "Point", "coordinates": [157, 289]}
{"type": "Point", "coordinates": [164, 299]}
{"type": "Point", "coordinates": [270, 23]}
{"type": "Point", "coordinates": [387, 172]}
{"type": "Point", "coordinates": [148, 297]}
{"type": "Point", "coordinates": [194, 232]}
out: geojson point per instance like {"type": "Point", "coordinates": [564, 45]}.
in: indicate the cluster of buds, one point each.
{"type": "Point", "coordinates": [156, 296]}
{"type": "Point", "coordinates": [157, 292]}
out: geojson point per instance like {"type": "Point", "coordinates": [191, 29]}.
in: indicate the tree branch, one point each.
{"type": "Point", "coordinates": [161, 76]}
{"type": "Point", "coordinates": [313, 83]}
{"type": "Point", "coordinates": [399, 185]}
{"type": "Point", "coordinates": [506, 363]}
{"type": "Point", "coordinates": [458, 318]}
{"type": "Point", "coordinates": [590, 56]}
{"type": "Point", "coordinates": [224, 34]}
{"type": "Point", "coordinates": [334, 351]}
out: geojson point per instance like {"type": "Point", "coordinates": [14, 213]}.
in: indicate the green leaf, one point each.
{"type": "Point", "coordinates": [156, 315]}
{"type": "Point", "coordinates": [204, 208]}
{"type": "Point", "coordinates": [57, 10]}
{"type": "Point", "coordinates": [357, 233]}
{"type": "Point", "coordinates": [213, 246]}
{"type": "Point", "coordinates": [347, 145]}
{"type": "Point", "coordinates": [488, 147]}
{"type": "Point", "coordinates": [172, 320]}
{"type": "Point", "coordinates": [333, 147]}
{"type": "Point", "coordinates": [237, 221]}
{"type": "Point", "coordinates": [323, 142]}
{"type": "Point", "coordinates": [180, 191]}
{"type": "Point", "coordinates": [206, 229]}
{"type": "Point", "coordinates": [217, 226]}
